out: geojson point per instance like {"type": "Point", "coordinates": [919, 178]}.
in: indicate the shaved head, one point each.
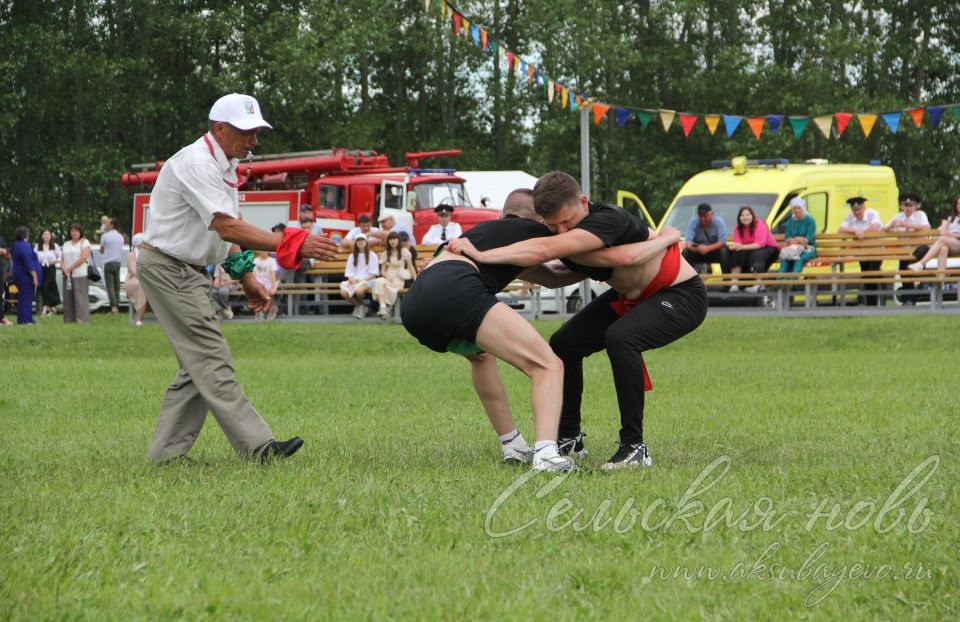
{"type": "Point", "coordinates": [520, 203]}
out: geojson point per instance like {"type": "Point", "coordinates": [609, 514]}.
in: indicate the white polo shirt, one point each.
{"type": "Point", "coordinates": [916, 218]}
{"type": "Point", "coordinates": [192, 187]}
{"type": "Point", "coordinates": [870, 217]}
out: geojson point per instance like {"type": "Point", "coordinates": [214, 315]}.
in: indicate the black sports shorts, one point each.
{"type": "Point", "coordinates": [448, 301]}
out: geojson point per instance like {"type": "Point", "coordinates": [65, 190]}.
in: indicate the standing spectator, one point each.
{"type": "Point", "coordinates": [909, 218]}
{"type": "Point", "coordinates": [49, 254]}
{"type": "Point", "coordinates": [111, 251]}
{"type": "Point", "coordinates": [4, 254]}
{"type": "Point", "coordinates": [706, 240]}
{"type": "Point", "coordinates": [76, 289]}
{"type": "Point", "coordinates": [858, 223]}
{"type": "Point", "coordinates": [26, 275]}
{"type": "Point", "coordinates": [396, 268]}
{"type": "Point", "coordinates": [444, 230]}
{"type": "Point", "coordinates": [361, 270]}
{"type": "Point", "coordinates": [947, 245]}
{"type": "Point", "coordinates": [799, 238]}
{"type": "Point", "coordinates": [132, 283]}
{"type": "Point", "coordinates": [265, 271]}
{"type": "Point", "coordinates": [753, 246]}
{"type": "Point", "coordinates": [364, 227]}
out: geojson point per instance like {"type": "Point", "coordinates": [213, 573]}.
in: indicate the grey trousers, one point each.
{"type": "Point", "coordinates": [76, 300]}
{"type": "Point", "coordinates": [111, 278]}
{"type": "Point", "coordinates": [179, 297]}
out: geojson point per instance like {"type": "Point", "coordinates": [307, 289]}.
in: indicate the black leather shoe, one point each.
{"type": "Point", "coordinates": [281, 449]}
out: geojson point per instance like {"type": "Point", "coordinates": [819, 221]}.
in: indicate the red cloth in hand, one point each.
{"type": "Point", "coordinates": [288, 252]}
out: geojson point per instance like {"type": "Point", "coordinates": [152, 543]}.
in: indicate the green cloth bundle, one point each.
{"type": "Point", "coordinates": [238, 264]}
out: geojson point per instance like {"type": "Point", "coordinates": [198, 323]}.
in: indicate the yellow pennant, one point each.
{"type": "Point", "coordinates": [824, 124]}
{"type": "Point", "coordinates": [550, 91]}
{"type": "Point", "coordinates": [466, 27]}
{"type": "Point", "coordinates": [564, 95]}
{"type": "Point", "coordinates": [712, 121]}
{"type": "Point", "coordinates": [666, 117]}
{"type": "Point", "coordinates": [866, 122]}
{"type": "Point", "coordinates": [443, 10]}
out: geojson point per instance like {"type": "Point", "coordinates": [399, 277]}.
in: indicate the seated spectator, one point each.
{"type": "Point", "coordinates": [361, 271]}
{"type": "Point", "coordinates": [364, 227]}
{"type": "Point", "coordinates": [909, 218]}
{"type": "Point", "coordinates": [388, 225]}
{"type": "Point", "coordinates": [947, 245]}
{"type": "Point", "coordinates": [706, 241]}
{"type": "Point", "coordinates": [306, 212]}
{"type": "Point", "coordinates": [396, 268]}
{"type": "Point", "coordinates": [131, 283]}
{"type": "Point", "coordinates": [858, 223]}
{"type": "Point", "coordinates": [444, 230]}
{"type": "Point", "coordinates": [799, 238]}
{"type": "Point", "coordinates": [753, 246]}
{"type": "Point", "coordinates": [405, 244]}
{"type": "Point", "coordinates": [265, 271]}
{"type": "Point", "coordinates": [220, 292]}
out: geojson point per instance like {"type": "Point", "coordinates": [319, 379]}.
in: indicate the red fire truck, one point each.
{"type": "Point", "coordinates": [340, 185]}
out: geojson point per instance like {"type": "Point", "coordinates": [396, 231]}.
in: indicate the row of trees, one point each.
{"type": "Point", "coordinates": [92, 86]}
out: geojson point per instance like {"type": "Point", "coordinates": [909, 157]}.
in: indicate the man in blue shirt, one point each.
{"type": "Point", "coordinates": [706, 240]}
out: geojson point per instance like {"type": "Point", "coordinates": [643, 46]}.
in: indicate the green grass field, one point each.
{"type": "Point", "coordinates": [397, 506]}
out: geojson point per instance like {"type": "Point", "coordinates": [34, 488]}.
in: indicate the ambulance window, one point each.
{"type": "Point", "coordinates": [331, 197]}
{"type": "Point", "coordinates": [817, 207]}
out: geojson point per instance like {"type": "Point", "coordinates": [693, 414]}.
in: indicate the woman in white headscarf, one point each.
{"type": "Point", "coordinates": [799, 238]}
{"type": "Point", "coordinates": [132, 284]}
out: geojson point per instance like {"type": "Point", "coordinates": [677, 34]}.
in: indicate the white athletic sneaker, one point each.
{"type": "Point", "coordinates": [549, 459]}
{"type": "Point", "coordinates": [357, 312]}
{"type": "Point", "coordinates": [517, 451]}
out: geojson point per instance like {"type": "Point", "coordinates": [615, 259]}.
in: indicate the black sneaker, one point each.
{"type": "Point", "coordinates": [572, 446]}
{"type": "Point", "coordinates": [281, 449]}
{"type": "Point", "coordinates": [631, 455]}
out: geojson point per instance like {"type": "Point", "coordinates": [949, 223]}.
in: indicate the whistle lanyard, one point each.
{"type": "Point", "coordinates": [240, 179]}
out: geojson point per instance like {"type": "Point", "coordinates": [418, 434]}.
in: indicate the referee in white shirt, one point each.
{"type": "Point", "coordinates": [194, 221]}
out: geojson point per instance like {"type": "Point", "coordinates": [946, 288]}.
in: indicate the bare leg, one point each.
{"type": "Point", "coordinates": [933, 252]}
{"type": "Point", "coordinates": [506, 335]}
{"type": "Point", "coordinates": [951, 246]}
{"type": "Point", "coordinates": [489, 387]}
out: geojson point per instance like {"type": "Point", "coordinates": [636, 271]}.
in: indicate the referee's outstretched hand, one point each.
{"type": "Point", "coordinates": [319, 247]}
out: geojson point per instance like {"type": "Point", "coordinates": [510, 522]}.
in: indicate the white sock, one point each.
{"type": "Point", "coordinates": [509, 436]}
{"type": "Point", "coordinates": [544, 444]}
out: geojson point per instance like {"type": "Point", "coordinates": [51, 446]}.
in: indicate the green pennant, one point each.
{"type": "Point", "coordinates": [495, 49]}
{"type": "Point", "coordinates": [799, 125]}
{"type": "Point", "coordinates": [644, 117]}
{"type": "Point", "coordinates": [955, 110]}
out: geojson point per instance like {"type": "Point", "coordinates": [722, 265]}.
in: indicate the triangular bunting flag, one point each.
{"type": "Point", "coordinates": [574, 104]}
{"type": "Point", "coordinates": [529, 74]}
{"type": "Point", "coordinates": [824, 124]}
{"type": "Point", "coordinates": [774, 121]}
{"type": "Point", "coordinates": [443, 10]}
{"type": "Point", "coordinates": [687, 121]}
{"type": "Point", "coordinates": [483, 39]}
{"type": "Point", "coordinates": [956, 111]}
{"type": "Point", "coordinates": [599, 111]}
{"type": "Point", "coordinates": [623, 115]}
{"type": "Point", "coordinates": [666, 118]}
{"type": "Point", "coordinates": [892, 119]}
{"type": "Point", "coordinates": [495, 48]}
{"type": "Point", "coordinates": [457, 18]}
{"type": "Point", "coordinates": [866, 122]}
{"type": "Point", "coordinates": [644, 117]}
{"type": "Point", "coordinates": [475, 32]}
{"type": "Point", "coordinates": [756, 125]}
{"type": "Point", "coordinates": [799, 126]}
{"type": "Point", "coordinates": [564, 94]}
{"type": "Point", "coordinates": [712, 121]}
{"type": "Point", "coordinates": [510, 58]}
{"type": "Point", "coordinates": [426, 5]}
{"type": "Point", "coordinates": [731, 121]}
{"type": "Point", "coordinates": [936, 113]}
{"type": "Point", "coordinates": [466, 26]}
{"type": "Point", "coordinates": [550, 91]}
{"type": "Point", "coordinates": [843, 119]}
{"type": "Point", "coordinates": [917, 115]}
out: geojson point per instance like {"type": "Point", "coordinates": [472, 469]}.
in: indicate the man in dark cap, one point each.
{"type": "Point", "coordinates": [444, 230]}
{"type": "Point", "coordinates": [909, 218]}
{"type": "Point", "coordinates": [858, 223]}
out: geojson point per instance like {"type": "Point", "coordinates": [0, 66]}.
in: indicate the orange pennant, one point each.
{"type": "Point", "coordinates": [917, 114]}
{"type": "Point", "coordinates": [529, 74]}
{"type": "Point", "coordinates": [712, 121]}
{"type": "Point", "coordinates": [756, 124]}
{"type": "Point", "coordinates": [843, 119]}
{"type": "Point", "coordinates": [687, 121]}
{"type": "Point", "coordinates": [599, 111]}
{"type": "Point", "coordinates": [483, 39]}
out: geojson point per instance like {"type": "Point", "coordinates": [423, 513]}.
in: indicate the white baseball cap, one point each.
{"type": "Point", "coordinates": [240, 111]}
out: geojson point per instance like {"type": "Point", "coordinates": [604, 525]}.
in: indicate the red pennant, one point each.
{"type": "Point", "coordinates": [687, 121]}
{"type": "Point", "coordinates": [843, 119]}
{"type": "Point", "coordinates": [599, 111]}
{"type": "Point", "coordinates": [756, 124]}
{"type": "Point", "coordinates": [917, 114]}
{"type": "Point", "coordinates": [456, 23]}
{"type": "Point", "coordinates": [510, 58]}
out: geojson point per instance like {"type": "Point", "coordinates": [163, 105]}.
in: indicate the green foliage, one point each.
{"type": "Point", "coordinates": [94, 86]}
{"type": "Point", "coordinates": [381, 515]}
